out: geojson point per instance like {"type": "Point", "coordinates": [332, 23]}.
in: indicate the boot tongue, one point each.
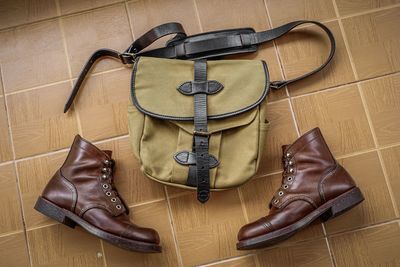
{"type": "Point", "coordinates": [284, 147]}
{"type": "Point", "coordinates": [108, 152]}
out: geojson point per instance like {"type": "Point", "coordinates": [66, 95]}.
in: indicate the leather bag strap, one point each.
{"type": "Point", "coordinates": [195, 47]}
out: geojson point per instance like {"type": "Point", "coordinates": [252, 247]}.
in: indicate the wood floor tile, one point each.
{"type": "Point", "coordinates": [256, 197]}
{"type": "Point", "coordinates": [72, 6]}
{"type": "Point", "coordinates": [383, 101]}
{"type": "Point", "coordinates": [226, 14]}
{"type": "Point", "coordinates": [282, 131]}
{"type": "Point", "coordinates": [38, 122]}
{"type": "Point", "coordinates": [248, 261]}
{"type": "Point", "coordinates": [373, 40]}
{"type": "Point", "coordinates": [28, 55]}
{"type": "Point", "coordinates": [155, 216]}
{"type": "Point", "coordinates": [103, 105]}
{"type": "Point", "coordinates": [377, 246]}
{"type": "Point", "coordinates": [5, 140]}
{"type": "Point", "coordinates": [10, 206]}
{"type": "Point", "coordinates": [59, 245]}
{"type": "Point", "coordinates": [18, 12]}
{"type": "Point", "coordinates": [347, 7]}
{"type": "Point", "coordinates": [305, 49]}
{"type": "Point", "coordinates": [13, 250]}
{"type": "Point", "coordinates": [391, 158]}
{"type": "Point", "coordinates": [130, 181]}
{"type": "Point", "coordinates": [102, 28]}
{"type": "Point", "coordinates": [208, 232]}
{"type": "Point", "coordinates": [33, 177]}
{"type": "Point", "coordinates": [341, 117]}
{"type": "Point", "coordinates": [377, 206]}
{"type": "Point", "coordinates": [286, 11]}
{"type": "Point", "coordinates": [308, 253]}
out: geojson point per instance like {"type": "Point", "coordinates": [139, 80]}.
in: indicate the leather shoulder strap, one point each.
{"type": "Point", "coordinates": [199, 46]}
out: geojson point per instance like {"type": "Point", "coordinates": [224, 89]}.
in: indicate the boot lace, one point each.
{"type": "Point", "coordinates": [287, 178]}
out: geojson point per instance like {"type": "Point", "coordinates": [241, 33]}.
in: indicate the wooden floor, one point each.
{"type": "Point", "coordinates": [355, 102]}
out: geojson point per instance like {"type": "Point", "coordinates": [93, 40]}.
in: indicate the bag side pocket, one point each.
{"type": "Point", "coordinates": [135, 126]}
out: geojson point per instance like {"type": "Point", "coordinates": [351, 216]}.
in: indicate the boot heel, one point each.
{"type": "Point", "coordinates": [50, 210]}
{"type": "Point", "coordinates": [348, 201]}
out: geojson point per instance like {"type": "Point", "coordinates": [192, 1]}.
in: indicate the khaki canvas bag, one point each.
{"type": "Point", "coordinates": [199, 124]}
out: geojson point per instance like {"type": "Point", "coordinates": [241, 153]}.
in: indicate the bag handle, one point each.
{"type": "Point", "coordinates": [199, 48]}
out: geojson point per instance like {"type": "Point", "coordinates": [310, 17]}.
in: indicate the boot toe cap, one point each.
{"type": "Point", "coordinates": [142, 234]}
{"type": "Point", "coordinates": [254, 229]}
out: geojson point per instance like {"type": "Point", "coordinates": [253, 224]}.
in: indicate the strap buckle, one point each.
{"type": "Point", "coordinates": [200, 133]}
{"type": "Point", "coordinates": [127, 58]}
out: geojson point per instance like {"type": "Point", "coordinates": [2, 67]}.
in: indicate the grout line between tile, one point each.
{"type": "Point", "coordinates": [11, 233]}
{"type": "Point", "coordinates": [104, 252]}
{"type": "Point", "coordinates": [18, 187]}
{"type": "Point", "coordinates": [369, 11]}
{"type": "Point", "coordinates": [282, 70]}
{"type": "Point", "coordinates": [328, 245]}
{"type": "Point", "coordinates": [174, 235]}
{"type": "Point", "coordinates": [64, 41]}
{"type": "Point", "coordinates": [226, 260]}
{"type": "Point", "coordinates": [129, 20]}
{"type": "Point", "coordinates": [376, 143]}
{"type": "Point", "coordinates": [364, 228]}
{"type": "Point", "coordinates": [242, 203]}
{"type": "Point", "coordinates": [346, 42]}
{"type": "Point", "coordinates": [196, 9]}
{"type": "Point", "coordinates": [146, 203]}
{"type": "Point", "coordinates": [332, 88]}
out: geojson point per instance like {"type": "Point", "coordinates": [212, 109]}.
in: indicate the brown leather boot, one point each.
{"type": "Point", "coordinates": [82, 192]}
{"type": "Point", "coordinates": [314, 186]}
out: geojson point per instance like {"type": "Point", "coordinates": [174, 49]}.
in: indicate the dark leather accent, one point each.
{"type": "Point", "coordinates": [201, 46]}
{"type": "Point", "coordinates": [84, 185]}
{"type": "Point", "coordinates": [208, 87]}
{"type": "Point", "coordinates": [200, 147]}
{"type": "Point", "coordinates": [311, 177]}
{"type": "Point", "coordinates": [189, 158]}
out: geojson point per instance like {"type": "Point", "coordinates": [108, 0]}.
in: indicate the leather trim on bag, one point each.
{"type": "Point", "coordinates": [209, 87]}
{"type": "Point", "coordinates": [188, 158]}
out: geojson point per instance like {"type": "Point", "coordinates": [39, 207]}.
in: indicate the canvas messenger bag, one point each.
{"type": "Point", "coordinates": [198, 123]}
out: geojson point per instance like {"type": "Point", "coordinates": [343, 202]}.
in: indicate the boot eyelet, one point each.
{"type": "Point", "coordinates": [291, 170]}
{"type": "Point", "coordinates": [106, 162]}
{"type": "Point", "coordinates": [108, 194]}
{"type": "Point", "coordinates": [113, 199]}
{"type": "Point", "coordinates": [290, 178]}
{"type": "Point", "coordinates": [290, 162]}
{"type": "Point", "coordinates": [285, 186]}
{"type": "Point", "coordinates": [104, 169]}
{"type": "Point", "coordinates": [118, 207]}
{"type": "Point", "coordinates": [276, 201]}
{"type": "Point", "coordinates": [104, 176]}
{"type": "Point", "coordinates": [288, 155]}
{"type": "Point", "coordinates": [105, 186]}
{"type": "Point", "coordinates": [280, 193]}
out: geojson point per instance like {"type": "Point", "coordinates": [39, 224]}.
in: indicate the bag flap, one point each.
{"type": "Point", "coordinates": [155, 82]}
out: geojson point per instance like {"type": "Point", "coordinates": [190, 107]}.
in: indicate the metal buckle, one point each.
{"type": "Point", "coordinates": [127, 58]}
{"type": "Point", "coordinates": [201, 133]}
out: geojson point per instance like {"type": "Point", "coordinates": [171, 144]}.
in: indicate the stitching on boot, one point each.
{"type": "Point", "coordinates": [323, 180]}
{"type": "Point", "coordinates": [92, 206]}
{"type": "Point", "coordinates": [72, 188]}
{"type": "Point", "coordinates": [305, 198]}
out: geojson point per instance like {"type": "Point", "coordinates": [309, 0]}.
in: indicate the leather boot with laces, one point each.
{"type": "Point", "coordinates": [313, 186]}
{"type": "Point", "coordinates": [82, 192]}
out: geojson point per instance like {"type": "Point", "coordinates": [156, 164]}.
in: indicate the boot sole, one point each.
{"type": "Point", "coordinates": [70, 219]}
{"type": "Point", "coordinates": [328, 210]}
